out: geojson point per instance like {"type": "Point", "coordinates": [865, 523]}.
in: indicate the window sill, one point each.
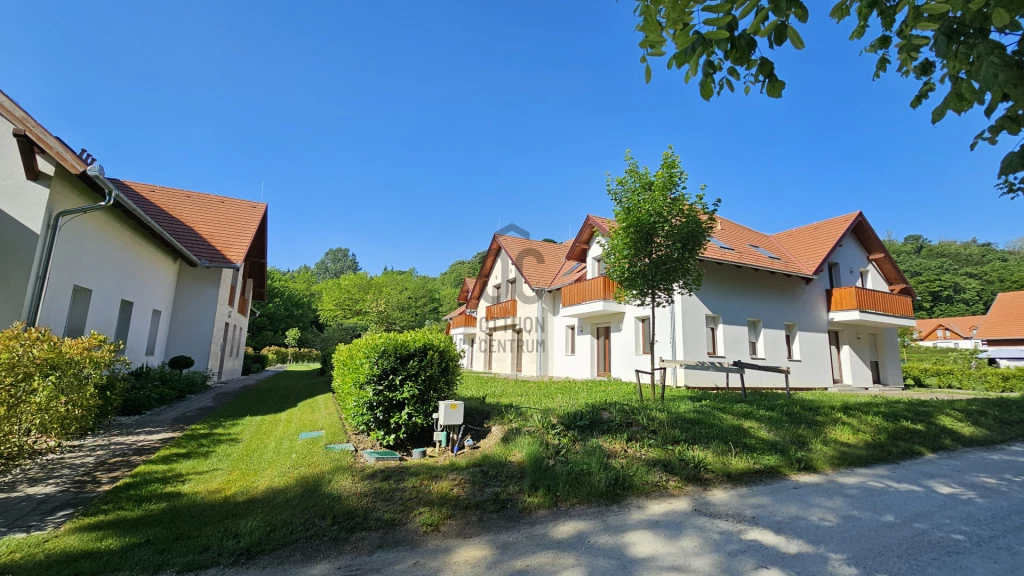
{"type": "Point", "coordinates": [715, 356]}
{"type": "Point", "coordinates": [792, 360]}
{"type": "Point", "coordinates": [758, 358]}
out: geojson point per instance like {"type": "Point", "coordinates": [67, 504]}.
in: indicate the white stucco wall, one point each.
{"type": "Point", "coordinates": [22, 215]}
{"type": "Point", "coordinates": [115, 258]}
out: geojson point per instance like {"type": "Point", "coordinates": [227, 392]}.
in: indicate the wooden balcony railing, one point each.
{"type": "Point", "coordinates": [462, 321]}
{"type": "Point", "coordinates": [857, 298]}
{"type": "Point", "coordinates": [243, 305]}
{"type": "Point", "coordinates": [597, 288]}
{"type": "Point", "coordinates": [506, 309]}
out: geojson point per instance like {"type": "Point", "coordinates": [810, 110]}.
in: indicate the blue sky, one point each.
{"type": "Point", "coordinates": [408, 132]}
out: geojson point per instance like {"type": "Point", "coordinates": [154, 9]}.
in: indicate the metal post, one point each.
{"type": "Point", "coordinates": [743, 385]}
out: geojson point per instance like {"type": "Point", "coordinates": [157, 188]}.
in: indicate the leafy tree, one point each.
{"type": "Point", "coordinates": [291, 302]}
{"type": "Point", "coordinates": [450, 281]}
{"type": "Point", "coordinates": [1015, 245]}
{"type": "Point", "coordinates": [344, 299]}
{"type": "Point", "coordinates": [660, 230]}
{"type": "Point", "coordinates": [551, 240]}
{"type": "Point", "coordinates": [971, 48]}
{"type": "Point", "coordinates": [335, 263]}
{"type": "Point", "coordinates": [402, 300]}
{"type": "Point", "coordinates": [291, 337]}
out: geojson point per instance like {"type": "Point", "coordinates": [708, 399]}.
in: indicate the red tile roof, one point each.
{"type": "Point", "coordinates": [742, 241]}
{"type": "Point", "coordinates": [454, 313]}
{"type": "Point", "coordinates": [1005, 318]}
{"type": "Point", "coordinates": [217, 229]}
{"type": "Point", "coordinates": [961, 325]}
{"type": "Point", "coordinates": [812, 243]}
{"type": "Point", "coordinates": [537, 260]}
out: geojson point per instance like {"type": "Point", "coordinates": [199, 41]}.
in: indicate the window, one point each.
{"type": "Point", "coordinates": [241, 340]}
{"type": "Point", "coordinates": [154, 329]}
{"type": "Point", "coordinates": [834, 280]}
{"type": "Point", "coordinates": [714, 325]}
{"type": "Point", "coordinates": [644, 333]}
{"type": "Point", "coordinates": [231, 347]}
{"type": "Point", "coordinates": [722, 245]}
{"type": "Point", "coordinates": [792, 351]}
{"type": "Point", "coordinates": [754, 337]}
{"type": "Point", "coordinates": [764, 252]}
{"type": "Point", "coordinates": [511, 289]}
{"type": "Point", "coordinates": [599, 267]}
{"type": "Point", "coordinates": [231, 290]}
{"type": "Point", "coordinates": [570, 340]}
{"type": "Point", "coordinates": [78, 312]}
{"type": "Point", "coordinates": [863, 278]}
{"type": "Point", "coordinates": [124, 320]}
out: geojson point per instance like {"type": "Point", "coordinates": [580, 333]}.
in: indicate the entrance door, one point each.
{"type": "Point", "coordinates": [876, 369]}
{"type": "Point", "coordinates": [604, 350]}
{"type": "Point", "coordinates": [223, 352]}
{"type": "Point", "coordinates": [833, 346]}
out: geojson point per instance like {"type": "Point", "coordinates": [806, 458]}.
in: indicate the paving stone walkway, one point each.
{"type": "Point", "coordinates": [46, 492]}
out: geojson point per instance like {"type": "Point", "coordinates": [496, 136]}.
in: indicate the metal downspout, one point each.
{"type": "Point", "coordinates": [541, 343]}
{"type": "Point", "coordinates": [672, 338]}
{"type": "Point", "coordinates": [96, 172]}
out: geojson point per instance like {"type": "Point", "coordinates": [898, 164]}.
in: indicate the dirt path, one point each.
{"type": "Point", "coordinates": [46, 492]}
{"type": "Point", "coordinates": [958, 513]}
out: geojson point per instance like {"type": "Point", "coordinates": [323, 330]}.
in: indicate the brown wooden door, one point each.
{"type": "Point", "coordinates": [604, 350]}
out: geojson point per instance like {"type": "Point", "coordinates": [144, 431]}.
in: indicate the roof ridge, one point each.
{"type": "Point", "coordinates": [778, 244]}
{"type": "Point", "coordinates": [854, 213]}
{"type": "Point", "coordinates": [135, 182]}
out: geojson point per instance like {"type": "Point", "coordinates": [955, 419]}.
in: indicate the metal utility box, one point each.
{"type": "Point", "coordinates": [450, 412]}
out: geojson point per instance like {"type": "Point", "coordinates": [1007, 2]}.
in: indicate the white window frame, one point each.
{"type": "Point", "coordinates": [124, 324]}
{"type": "Point", "coordinates": [792, 331]}
{"type": "Point", "coordinates": [570, 340]}
{"type": "Point", "coordinates": [714, 322]}
{"type": "Point", "coordinates": [755, 336]}
{"type": "Point", "coordinates": [154, 332]}
{"type": "Point", "coordinates": [81, 296]}
{"type": "Point", "coordinates": [642, 342]}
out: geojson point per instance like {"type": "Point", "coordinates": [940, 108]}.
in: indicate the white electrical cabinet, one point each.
{"type": "Point", "coordinates": [450, 412]}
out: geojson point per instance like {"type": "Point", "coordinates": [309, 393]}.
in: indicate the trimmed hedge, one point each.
{"type": "Point", "coordinates": [153, 387]}
{"type": "Point", "coordinates": [388, 385]}
{"type": "Point", "coordinates": [955, 376]}
{"type": "Point", "coordinates": [54, 388]}
{"type": "Point", "coordinates": [181, 363]}
{"type": "Point", "coordinates": [277, 355]}
{"type": "Point", "coordinates": [253, 362]}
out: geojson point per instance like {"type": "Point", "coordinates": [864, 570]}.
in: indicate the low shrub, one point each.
{"type": "Point", "coordinates": [181, 363]}
{"type": "Point", "coordinates": [388, 385]}
{"type": "Point", "coordinates": [974, 377]}
{"type": "Point", "coordinates": [326, 342]}
{"type": "Point", "coordinates": [153, 387]}
{"type": "Point", "coordinates": [54, 388]}
{"type": "Point", "coordinates": [277, 355]}
{"type": "Point", "coordinates": [253, 362]}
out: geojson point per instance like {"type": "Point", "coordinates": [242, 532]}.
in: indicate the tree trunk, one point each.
{"type": "Point", "coordinates": [652, 346]}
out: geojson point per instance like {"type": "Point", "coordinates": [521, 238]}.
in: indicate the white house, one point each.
{"type": "Point", "coordinates": [823, 300]}
{"type": "Point", "coordinates": [954, 332]}
{"type": "Point", "coordinates": [165, 271]}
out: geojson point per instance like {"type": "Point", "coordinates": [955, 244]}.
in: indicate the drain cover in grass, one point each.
{"type": "Point", "coordinates": [374, 456]}
{"type": "Point", "coordinates": [341, 447]}
{"type": "Point", "coordinates": [307, 435]}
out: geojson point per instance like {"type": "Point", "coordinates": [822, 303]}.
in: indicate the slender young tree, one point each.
{"type": "Point", "coordinates": [660, 231]}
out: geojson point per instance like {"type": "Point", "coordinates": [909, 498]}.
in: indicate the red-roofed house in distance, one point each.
{"type": "Point", "coordinates": [164, 270]}
{"type": "Point", "coordinates": [824, 300]}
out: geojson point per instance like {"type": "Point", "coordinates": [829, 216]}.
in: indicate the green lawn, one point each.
{"type": "Point", "coordinates": [240, 484]}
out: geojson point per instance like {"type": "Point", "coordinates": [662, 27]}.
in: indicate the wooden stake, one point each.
{"type": "Point", "coordinates": [743, 385]}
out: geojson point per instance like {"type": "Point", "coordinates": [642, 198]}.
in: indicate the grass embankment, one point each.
{"type": "Point", "coordinates": [239, 484]}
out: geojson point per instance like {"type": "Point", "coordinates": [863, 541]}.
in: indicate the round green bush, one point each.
{"type": "Point", "coordinates": [181, 363]}
{"type": "Point", "coordinates": [388, 385]}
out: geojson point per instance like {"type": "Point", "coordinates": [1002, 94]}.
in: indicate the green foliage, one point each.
{"type": "Point", "coordinates": [393, 301]}
{"type": "Point", "coordinates": [335, 263]}
{"type": "Point", "coordinates": [388, 385]}
{"type": "Point", "coordinates": [327, 342]}
{"type": "Point", "coordinates": [151, 388]}
{"type": "Point", "coordinates": [54, 388]}
{"type": "Point", "coordinates": [962, 370]}
{"type": "Point", "coordinates": [969, 47]}
{"type": "Point", "coordinates": [291, 337]}
{"type": "Point", "coordinates": [660, 230]}
{"type": "Point", "coordinates": [253, 362]}
{"type": "Point", "coordinates": [291, 302]}
{"type": "Point", "coordinates": [277, 355]}
{"type": "Point", "coordinates": [181, 363]}
{"type": "Point", "coordinates": [956, 278]}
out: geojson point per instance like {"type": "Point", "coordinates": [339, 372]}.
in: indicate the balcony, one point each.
{"type": "Point", "coordinates": [243, 305]}
{"type": "Point", "coordinates": [462, 324]}
{"type": "Point", "coordinates": [506, 309]}
{"type": "Point", "coordinates": [861, 306]}
{"type": "Point", "coordinates": [594, 297]}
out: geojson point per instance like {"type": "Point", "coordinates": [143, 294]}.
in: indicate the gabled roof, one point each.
{"type": "Point", "coordinates": [466, 290]}
{"type": "Point", "coordinates": [1005, 319]}
{"type": "Point", "coordinates": [743, 241]}
{"type": "Point", "coordinates": [216, 229]}
{"type": "Point", "coordinates": [454, 313]}
{"type": "Point", "coordinates": [537, 262]}
{"type": "Point", "coordinates": [963, 326]}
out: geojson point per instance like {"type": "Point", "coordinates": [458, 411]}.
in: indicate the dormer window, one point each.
{"type": "Point", "coordinates": [764, 252]}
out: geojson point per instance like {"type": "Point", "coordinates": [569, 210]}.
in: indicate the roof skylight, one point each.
{"type": "Point", "coordinates": [721, 244]}
{"type": "Point", "coordinates": [573, 268]}
{"type": "Point", "coordinates": [764, 252]}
